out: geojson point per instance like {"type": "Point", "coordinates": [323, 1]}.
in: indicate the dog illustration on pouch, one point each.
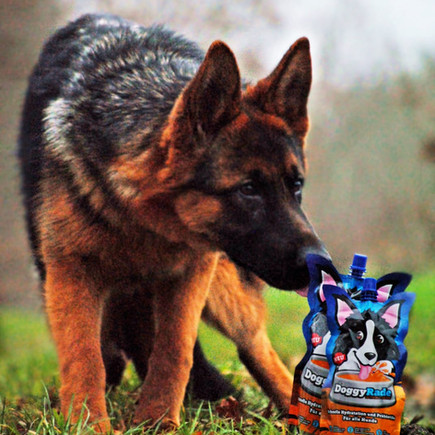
{"type": "Point", "coordinates": [159, 190]}
{"type": "Point", "coordinates": [367, 338]}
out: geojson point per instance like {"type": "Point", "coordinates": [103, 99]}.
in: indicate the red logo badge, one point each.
{"type": "Point", "coordinates": [316, 339]}
{"type": "Point", "coordinates": [339, 358]}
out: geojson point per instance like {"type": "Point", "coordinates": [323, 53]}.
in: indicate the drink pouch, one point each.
{"type": "Point", "coordinates": [310, 373]}
{"type": "Point", "coordinates": [362, 392]}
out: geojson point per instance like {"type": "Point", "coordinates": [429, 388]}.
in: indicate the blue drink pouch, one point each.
{"type": "Point", "coordinates": [362, 392]}
{"type": "Point", "coordinates": [311, 372]}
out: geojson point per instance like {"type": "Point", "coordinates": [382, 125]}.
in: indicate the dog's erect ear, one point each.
{"type": "Point", "coordinates": [345, 309]}
{"type": "Point", "coordinates": [209, 101]}
{"type": "Point", "coordinates": [323, 272]}
{"type": "Point", "coordinates": [213, 96]}
{"type": "Point", "coordinates": [390, 284]}
{"type": "Point", "coordinates": [384, 292]}
{"type": "Point", "coordinates": [285, 91]}
{"type": "Point", "coordinates": [391, 313]}
{"type": "Point", "coordinates": [327, 279]}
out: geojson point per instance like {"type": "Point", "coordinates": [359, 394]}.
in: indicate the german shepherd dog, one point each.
{"type": "Point", "coordinates": [159, 189]}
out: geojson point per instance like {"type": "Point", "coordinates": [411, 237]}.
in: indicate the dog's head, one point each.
{"type": "Point", "coordinates": [247, 149]}
{"type": "Point", "coordinates": [369, 336]}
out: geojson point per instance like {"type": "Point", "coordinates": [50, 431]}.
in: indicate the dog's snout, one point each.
{"type": "Point", "coordinates": [317, 250]}
{"type": "Point", "coordinates": [370, 355]}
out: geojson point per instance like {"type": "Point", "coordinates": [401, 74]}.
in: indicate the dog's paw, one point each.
{"type": "Point", "coordinates": [162, 424]}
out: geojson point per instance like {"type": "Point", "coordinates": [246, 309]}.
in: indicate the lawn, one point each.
{"type": "Point", "coordinates": [29, 382]}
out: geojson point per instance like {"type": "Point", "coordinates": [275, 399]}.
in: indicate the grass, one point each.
{"type": "Point", "coordinates": [29, 374]}
{"type": "Point", "coordinates": [421, 337]}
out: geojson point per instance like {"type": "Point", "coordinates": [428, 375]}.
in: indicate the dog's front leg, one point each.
{"type": "Point", "coordinates": [177, 312]}
{"type": "Point", "coordinates": [74, 310]}
{"type": "Point", "coordinates": [236, 308]}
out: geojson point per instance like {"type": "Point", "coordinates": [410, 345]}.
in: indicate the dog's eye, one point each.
{"type": "Point", "coordinates": [249, 189]}
{"type": "Point", "coordinates": [298, 190]}
{"type": "Point", "coordinates": [360, 335]}
{"type": "Point", "coordinates": [380, 338]}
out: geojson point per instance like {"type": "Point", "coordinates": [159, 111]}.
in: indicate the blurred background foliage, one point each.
{"type": "Point", "coordinates": [371, 148]}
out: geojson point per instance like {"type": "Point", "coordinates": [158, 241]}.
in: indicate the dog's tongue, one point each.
{"type": "Point", "coordinates": [364, 372]}
{"type": "Point", "coordinates": [302, 292]}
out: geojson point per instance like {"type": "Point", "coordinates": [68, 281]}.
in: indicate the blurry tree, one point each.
{"type": "Point", "coordinates": [370, 186]}
{"type": "Point", "coordinates": [372, 189]}
{"type": "Point", "coordinates": [204, 22]}
{"type": "Point", "coordinates": [23, 26]}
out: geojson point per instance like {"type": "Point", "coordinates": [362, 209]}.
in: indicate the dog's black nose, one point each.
{"type": "Point", "coordinates": [317, 250]}
{"type": "Point", "coordinates": [370, 355]}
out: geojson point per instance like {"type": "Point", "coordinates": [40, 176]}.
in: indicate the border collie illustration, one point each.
{"type": "Point", "coordinates": [316, 369]}
{"type": "Point", "coordinates": [363, 356]}
{"type": "Point", "coordinates": [320, 333]}
{"type": "Point", "coordinates": [322, 272]}
{"type": "Point", "coordinates": [367, 338]}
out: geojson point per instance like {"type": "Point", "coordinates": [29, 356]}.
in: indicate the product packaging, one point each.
{"type": "Point", "coordinates": [312, 409]}
{"type": "Point", "coordinates": [362, 392]}
{"type": "Point", "coordinates": [311, 372]}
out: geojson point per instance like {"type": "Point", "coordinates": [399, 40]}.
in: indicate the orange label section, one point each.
{"type": "Point", "coordinates": [349, 419]}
